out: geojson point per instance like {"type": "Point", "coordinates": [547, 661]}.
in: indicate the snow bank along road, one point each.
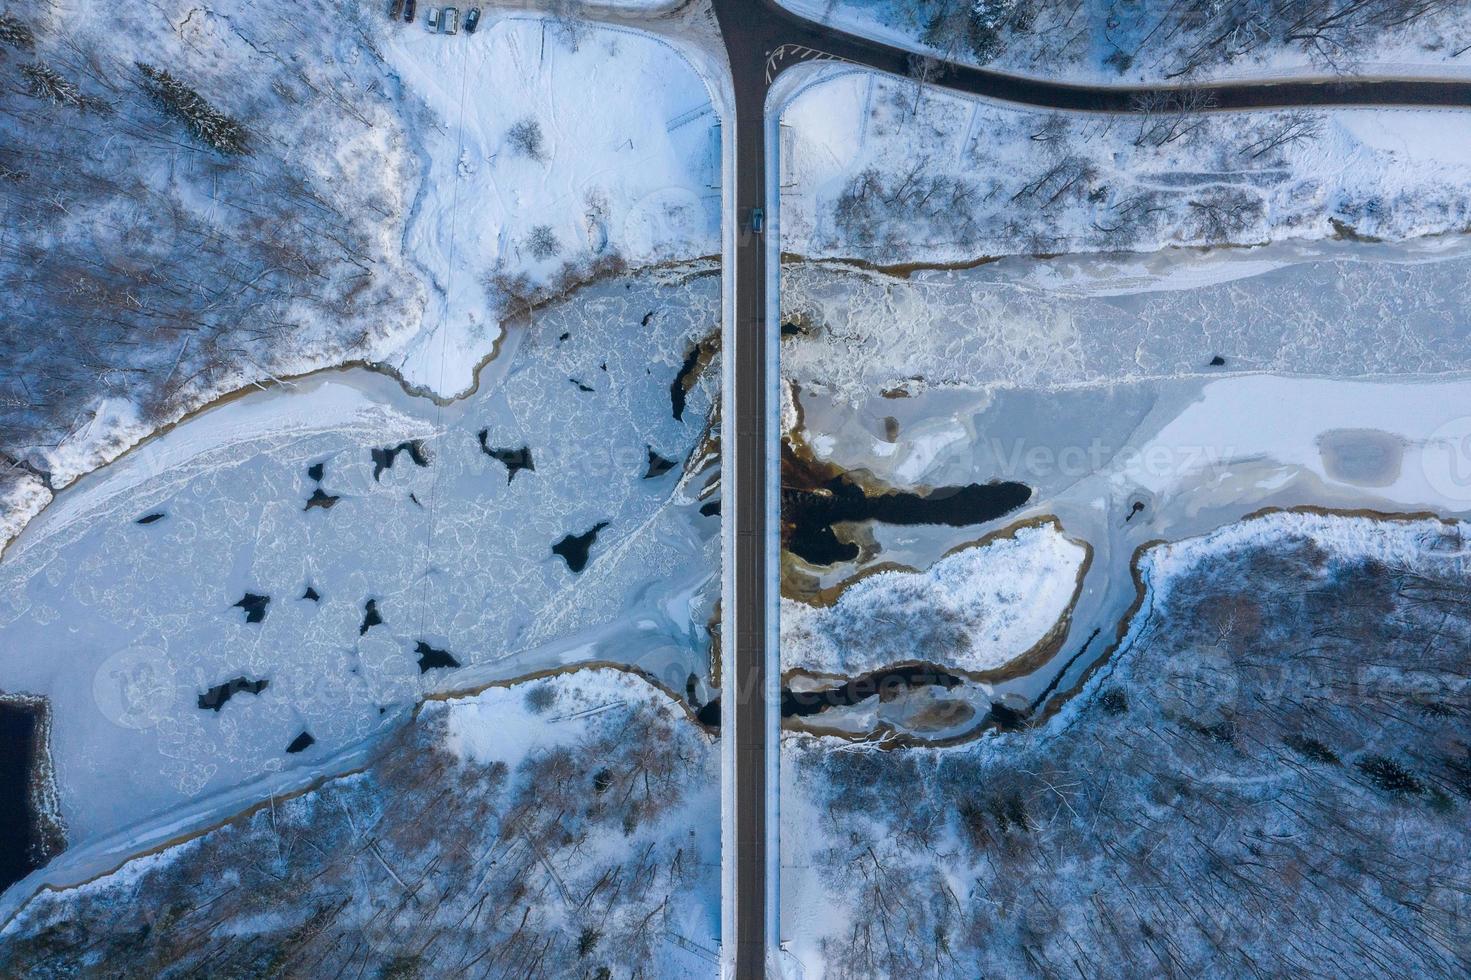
{"type": "Point", "coordinates": [762, 40]}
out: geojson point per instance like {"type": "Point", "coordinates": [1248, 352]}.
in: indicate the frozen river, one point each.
{"type": "Point", "coordinates": [1344, 385]}
{"type": "Point", "coordinates": [198, 622]}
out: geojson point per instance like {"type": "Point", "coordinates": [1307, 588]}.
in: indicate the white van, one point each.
{"type": "Point", "coordinates": [450, 19]}
{"type": "Point", "coordinates": [431, 20]}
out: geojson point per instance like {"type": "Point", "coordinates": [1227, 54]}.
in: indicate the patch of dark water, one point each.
{"type": "Point", "coordinates": [152, 518]}
{"type": "Point", "coordinates": [1006, 719]}
{"type": "Point", "coordinates": [301, 743]}
{"type": "Point", "coordinates": [385, 457]}
{"type": "Point", "coordinates": [710, 508]}
{"type": "Point", "coordinates": [312, 594]}
{"type": "Point", "coordinates": [816, 496]}
{"type": "Point", "coordinates": [370, 616]}
{"type": "Point", "coordinates": [580, 385]}
{"type": "Point", "coordinates": [658, 465]}
{"type": "Point", "coordinates": [695, 361]}
{"type": "Point", "coordinates": [214, 699]}
{"type": "Point", "coordinates": [321, 498]}
{"type": "Point", "coordinates": [431, 658]}
{"type": "Point", "coordinates": [1067, 665]}
{"type": "Point", "coordinates": [883, 684]}
{"type": "Point", "coordinates": [254, 606]}
{"type": "Point", "coordinates": [316, 471]}
{"type": "Point", "coordinates": [574, 548]}
{"type": "Point", "coordinates": [514, 460]}
{"type": "Point", "coordinates": [18, 843]}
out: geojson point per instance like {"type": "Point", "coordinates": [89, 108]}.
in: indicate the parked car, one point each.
{"type": "Point", "coordinates": [472, 20]}
{"type": "Point", "coordinates": [395, 9]}
{"type": "Point", "coordinates": [449, 20]}
{"type": "Point", "coordinates": [431, 20]}
{"type": "Point", "coordinates": [409, 7]}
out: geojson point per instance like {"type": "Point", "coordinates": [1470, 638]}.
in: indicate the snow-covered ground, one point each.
{"type": "Point", "coordinates": [1239, 726]}
{"type": "Point", "coordinates": [978, 609]}
{"type": "Point", "coordinates": [125, 625]}
{"type": "Point", "coordinates": [392, 175]}
{"type": "Point", "coordinates": [876, 168]}
{"type": "Point", "coordinates": [628, 167]}
{"type": "Point", "coordinates": [1105, 42]}
{"type": "Point", "coordinates": [560, 859]}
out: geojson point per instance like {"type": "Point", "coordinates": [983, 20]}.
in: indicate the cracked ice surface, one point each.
{"type": "Point", "coordinates": [1336, 309]}
{"type": "Point", "coordinates": [123, 625]}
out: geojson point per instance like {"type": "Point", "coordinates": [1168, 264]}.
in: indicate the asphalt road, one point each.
{"type": "Point", "coordinates": [762, 40]}
{"type": "Point", "coordinates": [746, 721]}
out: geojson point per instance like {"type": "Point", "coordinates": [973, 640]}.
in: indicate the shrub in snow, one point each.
{"type": "Point", "coordinates": [540, 697]}
{"type": "Point", "coordinates": [876, 208]}
{"type": "Point", "coordinates": [1390, 776]}
{"type": "Point", "coordinates": [45, 83]}
{"type": "Point", "coordinates": [526, 139]}
{"type": "Point", "coordinates": [208, 124]}
{"type": "Point", "coordinates": [977, 25]}
{"type": "Point", "coordinates": [542, 242]}
{"type": "Point", "coordinates": [14, 33]}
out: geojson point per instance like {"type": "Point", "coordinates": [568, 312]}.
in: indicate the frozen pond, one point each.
{"type": "Point", "coordinates": [328, 552]}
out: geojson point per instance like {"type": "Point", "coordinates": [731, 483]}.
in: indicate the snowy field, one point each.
{"type": "Point", "coordinates": [875, 168]}
{"type": "Point", "coordinates": [978, 609]}
{"type": "Point", "coordinates": [374, 576]}
{"type": "Point", "coordinates": [518, 842]}
{"type": "Point", "coordinates": [624, 170]}
{"type": "Point", "coordinates": [404, 193]}
{"type": "Point", "coordinates": [1103, 42]}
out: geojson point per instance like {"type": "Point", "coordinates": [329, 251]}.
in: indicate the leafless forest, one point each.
{"type": "Point", "coordinates": [1271, 780]}
{"type": "Point", "coordinates": [193, 202]}
{"type": "Point", "coordinates": [1178, 39]}
{"type": "Point", "coordinates": [568, 865]}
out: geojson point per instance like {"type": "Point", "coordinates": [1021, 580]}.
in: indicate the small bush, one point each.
{"type": "Point", "coordinates": [47, 84]}
{"type": "Point", "coordinates": [541, 697]}
{"type": "Point", "coordinates": [210, 126]}
{"type": "Point", "coordinates": [526, 139]}
{"type": "Point", "coordinates": [1390, 776]}
{"type": "Point", "coordinates": [1113, 701]}
{"type": "Point", "coordinates": [1222, 731]}
{"type": "Point", "coordinates": [1311, 748]}
{"type": "Point", "coordinates": [1010, 813]}
{"type": "Point", "coordinates": [15, 34]}
{"type": "Point", "coordinates": [588, 940]}
{"type": "Point", "coordinates": [542, 243]}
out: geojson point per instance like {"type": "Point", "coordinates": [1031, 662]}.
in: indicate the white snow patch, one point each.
{"type": "Point", "coordinates": [1262, 431]}
{"type": "Point", "coordinates": [977, 609]}
{"type": "Point", "coordinates": [627, 164]}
